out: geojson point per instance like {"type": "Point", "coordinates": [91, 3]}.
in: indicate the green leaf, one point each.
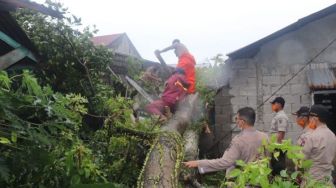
{"type": "Point", "coordinates": [276, 155]}
{"type": "Point", "coordinates": [4, 140]}
{"type": "Point", "coordinates": [29, 83]}
{"type": "Point", "coordinates": [240, 163]}
{"type": "Point", "coordinates": [264, 183]}
{"type": "Point", "coordinates": [299, 155]}
{"type": "Point", "coordinates": [306, 164]}
{"type": "Point", "coordinates": [283, 173]}
{"type": "Point", "coordinates": [14, 137]}
{"type": "Point", "coordinates": [234, 173]}
{"type": "Point", "coordinates": [294, 175]}
{"type": "Point", "coordinates": [5, 82]}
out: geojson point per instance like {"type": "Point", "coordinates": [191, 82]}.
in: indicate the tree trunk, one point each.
{"type": "Point", "coordinates": [190, 137]}
{"type": "Point", "coordinates": [162, 165]}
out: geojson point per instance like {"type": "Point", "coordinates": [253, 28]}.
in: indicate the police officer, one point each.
{"type": "Point", "coordinates": [279, 127]}
{"type": "Point", "coordinates": [302, 117]}
{"type": "Point", "coordinates": [320, 145]}
{"type": "Point", "coordinates": [244, 146]}
{"type": "Point", "coordinates": [279, 124]}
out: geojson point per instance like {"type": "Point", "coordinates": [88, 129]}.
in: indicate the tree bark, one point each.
{"type": "Point", "coordinates": [162, 165]}
{"type": "Point", "coordinates": [190, 137]}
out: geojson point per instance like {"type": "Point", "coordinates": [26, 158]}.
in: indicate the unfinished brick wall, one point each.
{"type": "Point", "coordinates": [224, 113]}
{"type": "Point", "coordinates": [254, 79]}
{"type": "Point", "coordinates": [252, 84]}
{"type": "Point", "coordinates": [296, 94]}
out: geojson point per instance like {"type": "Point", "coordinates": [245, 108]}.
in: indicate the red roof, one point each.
{"type": "Point", "coordinates": [105, 39]}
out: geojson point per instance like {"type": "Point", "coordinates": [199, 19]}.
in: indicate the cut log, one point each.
{"type": "Point", "coordinates": [162, 165]}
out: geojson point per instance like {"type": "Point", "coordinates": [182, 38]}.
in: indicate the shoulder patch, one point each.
{"type": "Point", "coordinates": [303, 141]}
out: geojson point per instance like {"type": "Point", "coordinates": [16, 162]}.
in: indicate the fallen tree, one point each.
{"type": "Point", "coordinates": [162, 164]}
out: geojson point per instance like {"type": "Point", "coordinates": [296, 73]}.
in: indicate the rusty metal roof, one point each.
{"type": "Point", "coordinates": [105, 40]}
{"type": "Point", "coordinates": [120, 43]}
{"type": "Point", "coordinates": [321, 78]}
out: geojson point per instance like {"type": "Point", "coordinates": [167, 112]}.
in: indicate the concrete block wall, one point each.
{"type": "Point", "coordinates": [283, 57]}
{"type": "Point", "coordinates": [277, 61]}
{"type": "Point", "coordinates": [243, 86]}
{"type": "Point", "coordinates": [243, 92]}
{"type": "Point", "coordinates": [296, 94]}
{"type": "Point", "coordinates": [224, 114]}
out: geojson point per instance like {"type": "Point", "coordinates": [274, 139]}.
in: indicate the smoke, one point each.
{"type": "Point", "coordinates": [214, 77]}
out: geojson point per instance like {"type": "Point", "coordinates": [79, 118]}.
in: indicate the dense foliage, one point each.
{"type": "Point", "coordinates": [66, 123]}
{"type": "Point", "coordinates": [39, 131]}
{"type": "Point", "coordinates": [258, 173]}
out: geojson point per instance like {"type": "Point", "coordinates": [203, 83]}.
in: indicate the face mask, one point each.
{"type": "Point", "coordinates": [239, 125]}
{"type": "Point", "coordinates": [301, 122]}
{"type": "Point", "coordinates": [240, 128]}
{"type": "Point", "coordinates": [312, 124]}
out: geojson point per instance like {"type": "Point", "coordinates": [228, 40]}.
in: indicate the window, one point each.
{"type": "Point", "coordinates": [327, 98]}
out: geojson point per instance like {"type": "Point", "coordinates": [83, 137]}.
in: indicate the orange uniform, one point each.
{"type": "Point", "coordinates": [187, 63]}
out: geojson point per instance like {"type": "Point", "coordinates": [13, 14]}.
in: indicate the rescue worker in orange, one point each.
{"type": "Point", "coordinates": [175, 90]}
{"type": "Point", "coordinates": [185, 61]}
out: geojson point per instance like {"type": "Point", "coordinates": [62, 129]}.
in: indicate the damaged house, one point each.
{"type": "Point", "coordinates": [124, 51]}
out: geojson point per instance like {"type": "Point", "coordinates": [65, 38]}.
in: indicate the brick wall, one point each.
{"type": "Point", "coordinates": [254, 80]}
{"type": "Point", "coordinates": [251, 85]}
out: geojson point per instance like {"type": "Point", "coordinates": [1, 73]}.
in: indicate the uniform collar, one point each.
{"type": "Point", "coordinates": [280, 111]}
{"type": "Point", "coordinates": [249, 129]}
{"type": "Point", "coordinates": [307, 129]}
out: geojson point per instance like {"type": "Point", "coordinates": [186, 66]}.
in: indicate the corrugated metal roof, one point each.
{"type": "Point", "coordinates": [119, 43]}
{"type": "Point", "coordinates": [321, 77]}
{"type": "Point", "coordinates": [10, 27]}
{"type": "Point", "coordinates": [252, 49]}
{"type": "Point", "coordinates": [10, 5]}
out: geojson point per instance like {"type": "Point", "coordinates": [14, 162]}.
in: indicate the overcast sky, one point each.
{"type": "Point", "coordinates": [206, 27]}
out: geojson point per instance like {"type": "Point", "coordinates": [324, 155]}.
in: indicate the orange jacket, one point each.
{"type": "Point", "coordinates": [187, 63]}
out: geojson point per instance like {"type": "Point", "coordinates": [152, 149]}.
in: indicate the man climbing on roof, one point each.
{"type": "Point", "coordinates": [185, 61]}
{"type": "Point", "coordinates": [176, 88]}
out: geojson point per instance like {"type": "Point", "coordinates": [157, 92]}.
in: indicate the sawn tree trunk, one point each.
{"type": "Point", "coordinates": [162, 165]}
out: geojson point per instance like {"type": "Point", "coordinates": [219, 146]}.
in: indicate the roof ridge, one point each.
{"type": "Point", "coordinates": [251, 49]}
